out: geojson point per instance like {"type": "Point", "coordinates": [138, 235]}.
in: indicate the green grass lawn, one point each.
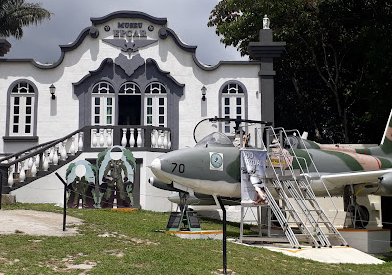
{"type": "Point", "coordinates": [135, 246]}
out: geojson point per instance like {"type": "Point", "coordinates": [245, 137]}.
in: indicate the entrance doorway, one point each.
{"type": "Point", "coordinates": [129, 112]}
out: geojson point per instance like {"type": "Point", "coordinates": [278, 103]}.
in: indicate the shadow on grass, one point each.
{"type": "Point", "coordinates": [385, 257]}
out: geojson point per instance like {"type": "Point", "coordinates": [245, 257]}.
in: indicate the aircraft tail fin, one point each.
{"type": "Point", "coordinates": [386, 142]}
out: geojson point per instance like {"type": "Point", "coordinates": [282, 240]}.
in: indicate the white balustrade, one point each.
{"type": "Point", "coordinates": [101, 137]}
{"type": "Point", "coordinates": [63, 152]}
{"type": "Point", "coordinates": [160, 140]}
{"type": "Point", "coordinates": [165, 141]}
{"type": "Point", "coordinates": [30, 163]}
{"type": "Point", "coordinates": [51, 155]}
{"type": "Point", "coordinates": [33, 168]}
{"type": "Point", "coordinates": [80, 142]}
{"type": "Point", "coordinates": [109, 138]}
{"type": "Point", "coordinates": [22, 173]}
{"type": "Point", "coordinates": [139, 137]}
{"type": "Point", "coordinates": [55, 156]}
{"type": "Point", "coordinates": [132, 137]}
{"type": "Point", "coordinates": [94, 140]}
{"type": "Point", "coordinates": [10, 176]}
{"type": "Point", "coordinates": [168, 140]}
{"type": "Point", "coordinates": [124, 137]}
{"type": "Point", "coordinates": [45, 162]}
{"type": "Point", "coordinates": [72, 147]}
{"type": "Point", "coordinates": [38, 161]}
{"type": "Point", "coordinates": [153, 139]}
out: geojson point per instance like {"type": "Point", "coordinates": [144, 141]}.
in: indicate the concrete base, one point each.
{"type": "Point", "coordinates": [336, 254]}
{"type": "Point", "coordinates": [369, 241]}
{"type": "Point", "coordinates": [8, 199]}
{"type": "Point", "coordinates": [196, 235]}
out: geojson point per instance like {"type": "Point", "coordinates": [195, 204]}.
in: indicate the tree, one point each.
{"type": "Point", "coordinates": [333, 74]}
{"type": "Point", "coordinates": [15, 14]}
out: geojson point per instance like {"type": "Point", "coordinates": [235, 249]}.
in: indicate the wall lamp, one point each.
{"type": "Point", "coordinates": [52, 90]}
{"type": "Point", "coordinates": [203, 92]}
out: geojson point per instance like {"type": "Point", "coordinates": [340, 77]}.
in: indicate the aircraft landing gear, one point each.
{"type": "Point", "coordinates": [186, 219]}
{"type": "Point", "coordinates": [357, 215]}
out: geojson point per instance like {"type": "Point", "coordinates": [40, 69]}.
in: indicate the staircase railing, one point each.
{"type": "Point", "coordinates": [27, 163]}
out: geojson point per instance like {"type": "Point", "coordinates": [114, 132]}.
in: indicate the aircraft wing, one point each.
{"type": "Point", "coordinates": [341, 179]}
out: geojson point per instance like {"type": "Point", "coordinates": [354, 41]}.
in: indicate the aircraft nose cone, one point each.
{"type": "Point", "coordinates": [156, 168]}
{"type": "Point", "coordinates": [155, 165]}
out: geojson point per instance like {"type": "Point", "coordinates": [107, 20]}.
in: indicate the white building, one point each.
{"type": "Point", "coordinates": [127, 79]}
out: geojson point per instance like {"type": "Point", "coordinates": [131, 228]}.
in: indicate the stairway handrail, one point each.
{"type": "Point", "coordinates": [314, 165]}
{"type": "Point", "coordinates": [43, 146]}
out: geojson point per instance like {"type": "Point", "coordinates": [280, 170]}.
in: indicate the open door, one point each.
{"type": "Point", "coordinates": [129, 112]}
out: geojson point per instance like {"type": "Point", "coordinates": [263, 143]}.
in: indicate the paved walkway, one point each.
{"type": "Point", "coordinates": [336, 254]}
{"type": "Point", "coordinates": [31, 222]}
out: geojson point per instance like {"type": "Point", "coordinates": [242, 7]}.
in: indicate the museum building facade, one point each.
{"type": "Point", "coordinates": [127, 80]}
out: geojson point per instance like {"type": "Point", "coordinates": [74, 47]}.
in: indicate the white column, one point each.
{"type": "Point", "coordinates": [30, 163]}
{"type": "Point", "coordinates": [160, 139]}
{"type": "Point", "coordinates": [22, 173]}
{"type": "Point", "coordinates": [80, 143]}
{"type": "Point", "coordinates": [168, 140]}
{"type": "Point", "coordinates": [165, 141]}
{"type": "Point", "coordinates": [10, 176]}
{"type": "Point", "coordinates": [63, 153]}
{"type": "Point", "coordinates": [55, 156]}
{"type": "Point", "coordinates": [101, 137]}
{"type": "Point", "coordinates": [94, 140]}
{"type": "Point", "coordinates": [139, 137]}
{"type": "Point", "coordinates": [109, 139]}
{"type": "Point", "coordinates": [124, 137]}
{"type": "Point", "coordinates": [37, 160]}
{"type": "Point", "coordinates": [51, 154]}
{"type": "Point", "coordinates": [132, 137]}
{"type": "Point", "coordinates": [33, 168]}
{"type": "Point", "coordinates": [45, 162]}
{"type": "Point", "coordinates": [153, 139]}
{"type": "Point", "coordinates": [72, 148]}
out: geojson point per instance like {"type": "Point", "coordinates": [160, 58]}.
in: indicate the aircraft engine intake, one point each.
{"type": "Point", "coordinates": [385, 182]}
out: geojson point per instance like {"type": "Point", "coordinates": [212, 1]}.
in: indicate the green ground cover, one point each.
{"type": "Point", "coordinates": [134, 245]}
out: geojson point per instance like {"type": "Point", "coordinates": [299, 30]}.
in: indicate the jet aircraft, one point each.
{"type": "Point", "coordinates": [339, 171]}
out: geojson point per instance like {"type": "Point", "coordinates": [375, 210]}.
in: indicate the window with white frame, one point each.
{"type": "Point", "coordinates": [22, 110]}
{"type": "Point", "coordinates": [129, 88]}
{"type": "Point", "coordinates": [103, 104]}
{"type": "Point", "coordinates": [233, 105]}
{"type": "Point", "coordinates": [155, 104]}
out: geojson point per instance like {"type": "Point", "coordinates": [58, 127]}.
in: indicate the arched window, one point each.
{"type": "Point", "coordinates": [129, 88]}
{"type": "Point", "coordinates": [155, 105]}
{"type": "Point", "coordinates": [103, 105]}
{"type": "Point", "coordinates": [233, 103]}
{"type": "Point", "coordinates": [22, 111]}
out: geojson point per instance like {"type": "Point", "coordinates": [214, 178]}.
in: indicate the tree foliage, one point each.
{"type": "Point", "coordinates": [15, 14]}
{"type": "Point", "coordinates": [334, 78]}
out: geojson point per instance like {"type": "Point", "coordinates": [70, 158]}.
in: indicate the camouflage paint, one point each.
{"type": "Point", "coordinates": [349, 160]}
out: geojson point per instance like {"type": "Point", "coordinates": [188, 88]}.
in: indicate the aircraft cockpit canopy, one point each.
{"type": "Point", "coordinates": [215, 139]}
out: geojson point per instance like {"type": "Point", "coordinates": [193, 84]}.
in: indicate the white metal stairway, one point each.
{"type": "Point", "coordinates": [307, 216]}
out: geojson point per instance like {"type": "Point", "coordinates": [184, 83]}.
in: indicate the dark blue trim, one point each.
{"type": "Point", "coordinates": [92, 31]}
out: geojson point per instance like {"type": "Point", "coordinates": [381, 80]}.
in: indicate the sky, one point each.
{"type": "Point", "coordinates": [188, 18]}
